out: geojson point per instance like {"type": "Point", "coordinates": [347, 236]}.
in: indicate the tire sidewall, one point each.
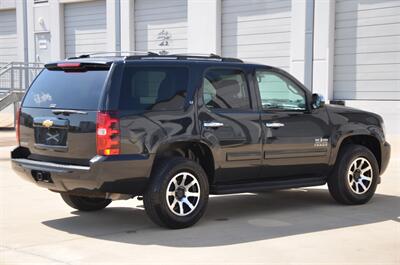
{"type": "Point", "coordinates": [159, 193]}
{"type": "Point", "coordinates": [347, 160]}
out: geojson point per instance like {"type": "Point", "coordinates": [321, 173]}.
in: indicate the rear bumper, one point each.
{"type": "Point", "coordinates": [126, 174]}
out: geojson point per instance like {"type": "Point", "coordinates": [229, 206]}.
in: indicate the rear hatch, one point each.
{"type": "Point", "coordinates": [58, 114]}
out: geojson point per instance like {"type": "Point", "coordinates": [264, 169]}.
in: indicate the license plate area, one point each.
{"type": "Point", "coordinates": [52, 137]}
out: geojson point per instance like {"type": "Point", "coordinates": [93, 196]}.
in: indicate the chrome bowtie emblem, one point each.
{"type": "Point", "coordinates": [52, 137]}
{"type": "Point", "coordinates": [47, 123]}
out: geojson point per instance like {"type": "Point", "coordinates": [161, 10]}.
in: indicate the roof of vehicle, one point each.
{"type": "Point", "coordinates": [109, 58]}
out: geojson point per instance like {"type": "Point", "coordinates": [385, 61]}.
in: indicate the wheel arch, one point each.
{"type": "Point", "coordinates": [368, 140]}
{"type": "Point", "coordinates": [193, 150]}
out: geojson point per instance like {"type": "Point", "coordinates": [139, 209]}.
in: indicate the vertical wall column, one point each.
{"type": "Point", "coordinates": [127, 26]}
{"type": "Point", "coordinates": [324, 42]}
{"type": "Point", "coordinates": [204, 26]}
{"type": "Point", "coordinates": [57, 30]}
{"type": "Point", "coordinates": [301, 62]}
{"type": "Point", "coordinates": [114, 25]}
{"type": "Point", "coordinates": [22, 30]}
{"type": "Point", "coordinates": [31, 29]}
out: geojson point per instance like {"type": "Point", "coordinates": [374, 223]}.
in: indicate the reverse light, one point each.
{"type": "Point", "coordinates": [107, 134]}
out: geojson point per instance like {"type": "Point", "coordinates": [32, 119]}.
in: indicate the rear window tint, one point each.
{"type": "Point", "coordinates": [72, 90]}
{"type": "Point", "coordinates": [154, 88]}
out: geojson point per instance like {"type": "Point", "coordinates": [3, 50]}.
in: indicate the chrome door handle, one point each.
{"type": "Point", "coordinates": [213, 124]}
{"type": "Point", "coordinates": [274, 124]}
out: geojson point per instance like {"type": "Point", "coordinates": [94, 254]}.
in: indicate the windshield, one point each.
{"type": "Point", "coordinates": [71, 90]}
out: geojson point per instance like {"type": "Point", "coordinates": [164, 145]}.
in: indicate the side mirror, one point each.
{"type": "Point", "coordinates": [317, 101]}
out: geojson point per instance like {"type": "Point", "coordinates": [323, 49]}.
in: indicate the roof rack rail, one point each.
{"type": "Point", "coordinates": [113, 54]}
{"type": "Point", "coordinates": [184, 56]}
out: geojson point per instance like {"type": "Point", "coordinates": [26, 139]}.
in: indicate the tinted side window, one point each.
{"type": "Point", "coordinates": [154, 88]}
{"type": "Point", "coordinates": [225, 89]}
{"type": "Point", "coordinates": [278, 92]}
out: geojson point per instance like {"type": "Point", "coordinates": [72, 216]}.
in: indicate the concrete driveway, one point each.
{"type": "Point", "coordinates": [292, 226]}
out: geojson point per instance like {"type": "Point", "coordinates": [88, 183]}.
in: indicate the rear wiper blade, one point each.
{"type": "Point", "coordinates": [68, 111]}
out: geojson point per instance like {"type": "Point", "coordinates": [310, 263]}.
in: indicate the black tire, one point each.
{"type": "Point", "coordinates": [85, 203]}
{"type": "Point", "coordinates": [155, 200]}
{"type": "Point", "coordinates": [339, 185]}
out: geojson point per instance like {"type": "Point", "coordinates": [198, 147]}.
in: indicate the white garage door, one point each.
{"type": "Point", "coordinates": [161, 25]}
{"type": "Point", "coordinates": [85, 28]}
{"type": "Point", "coordinates": [257, 31]}
{"type": "Point", "coordinates": [367, 50]}
{"type": "Point", "coordinates": [8, 36]}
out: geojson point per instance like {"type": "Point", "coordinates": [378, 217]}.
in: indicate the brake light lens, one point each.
{"type": "Point", "coordinates": [17, 125]}
{"type": "Point", "coordinates": [69, 65]}
{"type": "Point", "coordinates": [107, 134]}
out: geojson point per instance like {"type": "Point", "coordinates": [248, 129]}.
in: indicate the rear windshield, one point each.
{"type": "Point", "coordinates": [153, 88]}
{"type": "Point", "coordinates": [71, 90]}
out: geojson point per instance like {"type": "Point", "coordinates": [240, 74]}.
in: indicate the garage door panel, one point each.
{"type": "Point", "coordinates": [257, 31]}
{"type": "Point", "coordinates": [382, 12]}
{"type": "Point", "coordinates": [367, 50]}
{"type": "Point", "coordinates": [368, 58]}
{"type": "Point", "coordinates": [258, 39]}
{"type": "Point", "coordinates": [365, 42]}
{"type": "Point", "coordinates": [349, 5]}
{"type": "Point", "coordinates": [264, 24]}
{"type": "Point", "coordinates": [153, 17]}
{"type": "Point", "coordinates": [369, 85]}
{"type": "Point", "coordinates": [366, 76]}
{"type": "Point", "coordinates": [156, 4]}
{"type": "Point", "coordinates": [363, 95]}
{"type": "Point", "coordinates": [279, 48]}
{"type": "Point", "coordinates": [391, 47]}
{"type": "Point", "coordinates": [254, 16]}
{"type": "Point", "coordinates": [368, 22]}
{"type": "Point", "coordinates": [378, 68]}
{"type": "Point", "coordinates": [8, 36]}
{"type": "Point", "coordinates": [370, 31]}
{"type": "Point", "coordinates": [85, 27]}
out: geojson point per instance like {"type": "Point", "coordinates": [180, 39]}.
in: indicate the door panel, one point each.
{"type": "Point", "coordinates": [237, 143]}
{"type": "Point", "coordinates": [296, 138]}
{"type": "Point", "coordinates": [230, 124]}
{"type": "Point", "coordinates": [300, 147]}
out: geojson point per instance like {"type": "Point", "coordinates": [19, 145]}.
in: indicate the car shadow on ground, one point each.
{"type": "Point", "coordinates": [234, 219]}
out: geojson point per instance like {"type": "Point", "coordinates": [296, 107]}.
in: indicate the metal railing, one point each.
{"type": "Point", "coordinates": [15, 78]}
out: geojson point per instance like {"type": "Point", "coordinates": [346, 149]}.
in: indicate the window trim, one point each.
{"type": "Point", "coordinates": [285, 76]}
{"type": "Point", "coordinates": [245, 75]}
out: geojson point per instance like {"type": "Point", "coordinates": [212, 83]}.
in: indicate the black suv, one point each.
{"type": "Point", "coordinates": [173, 129]}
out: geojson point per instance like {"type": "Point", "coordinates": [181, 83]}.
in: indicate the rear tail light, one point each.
{"type": "Point", "coordinates": [107, 134]}
{"type": "Point", "coordinates": [17, 125]}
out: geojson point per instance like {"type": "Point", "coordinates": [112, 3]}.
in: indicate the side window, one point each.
{"type": "Point", "coordinates": [278, 92]}
{"type": "Point", "coordinates": [154, 88]}
{"type": "Point", "coordinates": [225, 89]}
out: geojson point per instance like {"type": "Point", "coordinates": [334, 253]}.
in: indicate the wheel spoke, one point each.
{"type": "Point", "coordinates": [174, 203]}
{"type": "Point", "coordinates": [357, 189]}
{"type": "Point", "coordinates": [362, 185]}
{"type": "Point", "coordinates": [177, 188]}
{"type": "Point", "coordinates": [181, 207]}
{"type": "Point", "coordinates": [188, 203]}
{"type": "Point", "coordinates": [368, 168]}
{"type": "Point", "coordinates": [175, 183]}
{"type": "Point", "coordinates": [192, 194]}
{"type": "Point", "coordinates": [183, 180]}
{"type": "Point", "coordinates": [363, 177]}
{"type": "Point", "coordinates": [188, 186]}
